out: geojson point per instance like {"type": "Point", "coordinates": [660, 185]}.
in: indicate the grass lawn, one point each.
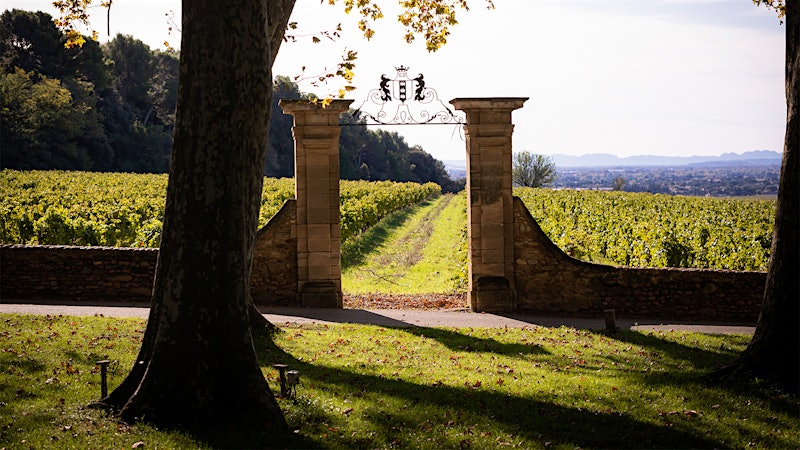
{"type": "Point", "coordinates": [374, 387]}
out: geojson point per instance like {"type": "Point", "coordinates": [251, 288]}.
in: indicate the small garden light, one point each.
{"type": "Point", "coordinates": [103, 377]}
{"type": "Point", "coordinates": [292, 380]}
{"type": "Point", "coordinates": [282, 373]}
{"type": "Point", "coordinates": [611, 320]}
{"type": "Point", "coordinates": [289, 380]}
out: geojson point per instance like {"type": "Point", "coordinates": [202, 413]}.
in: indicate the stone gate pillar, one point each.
{"type": "Point", "coordinates": [316, 148]}
{"type": "Point", "coordinates": [490, 211]}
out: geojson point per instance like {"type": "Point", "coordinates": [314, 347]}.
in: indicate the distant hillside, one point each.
{"type": "Point", "coordinates": [752, 158]}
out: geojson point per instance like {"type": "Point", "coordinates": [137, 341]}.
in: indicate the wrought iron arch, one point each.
{"type": "Point", "coordinates": [402, 101]}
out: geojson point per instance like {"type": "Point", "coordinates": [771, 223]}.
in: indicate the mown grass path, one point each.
{"type": "Point", "coordinates": [420, 250]}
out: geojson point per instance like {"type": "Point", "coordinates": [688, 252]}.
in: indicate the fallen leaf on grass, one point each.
{"type": "Point", "coordinates": [138, 444]}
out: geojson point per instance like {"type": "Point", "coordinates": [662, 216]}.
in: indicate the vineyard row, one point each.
{"type": "Point", "coordinates": [126, 210]}
{"type": "Point", "coordinates": [628, 229]}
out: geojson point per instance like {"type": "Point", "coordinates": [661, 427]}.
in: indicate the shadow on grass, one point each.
{"type": "Point", "coordinates": [675, 350]}
{"type": "Point", "coordinates": [22, 363]}
{"type": "Point", "coordinates": [462, 342]}
{"type": "Point", "coordinates": [466, 412]}
{"type": "Point", "coordinates": [707, 360]}
{"type": "Point", "coordinates": [355, 250]}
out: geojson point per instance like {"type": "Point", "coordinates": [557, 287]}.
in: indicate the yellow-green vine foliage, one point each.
{"type": "Point", "coordinates": [126, 210]}
{"type": "Point", "coordinates": [652, 230]}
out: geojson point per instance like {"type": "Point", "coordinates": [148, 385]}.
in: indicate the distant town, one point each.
{"type": "Point", "coordinates": [731, 175]}
{"type": "Point", "coordinates": [720, 181]}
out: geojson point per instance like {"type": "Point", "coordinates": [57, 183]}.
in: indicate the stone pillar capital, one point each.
{"type": "Point", "coordinates": [495, 103]}
{"type": "Point", "coordinates": [490, 110]}
{"type": "Point", "coordinates": [308, 113]}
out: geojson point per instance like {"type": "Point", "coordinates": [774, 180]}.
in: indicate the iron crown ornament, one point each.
{"type": "Point", "coordinates": [403, 101]}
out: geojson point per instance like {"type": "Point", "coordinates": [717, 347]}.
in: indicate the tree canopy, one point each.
{"type": "Point", "coordinates": [111, 107]}
{"type": "Point", "coordinates": [532, 170]}
{"type": "Point", "coordinates": [114, 104]}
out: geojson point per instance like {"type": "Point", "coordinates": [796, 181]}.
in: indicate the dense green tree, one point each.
{"type": "Point", "coordinates": [132, 71]}
{"type": "Point", "coordinates": [31, 41]}
{"type": "Point", "coordinates": [50, 116]}
{"type": "Point", "coordinates": [139, 107]}
{"type": "Point", "coordinates": [45, 126]}
{"type": "Point", "coordinates": [280, 147]}
{"type": "Point", "coordinates": [163, 91]}
{"type": "Point", "coordinates": [618, 183]}
{"type": "Point", "coordinates": [132, 91]}
{"type": "Point", "coordinates": [121, 112]}
{"type": "Point", "coordinates": [532, 170]}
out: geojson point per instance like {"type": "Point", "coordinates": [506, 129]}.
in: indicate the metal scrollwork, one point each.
{"type": "Point", "coordinates": [403, 101]}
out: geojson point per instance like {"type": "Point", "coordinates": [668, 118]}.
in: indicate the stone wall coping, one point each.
{"type": "Point", "coordinates": [77, 247]}
{"type": "Point", "coordinates": [497, 103]}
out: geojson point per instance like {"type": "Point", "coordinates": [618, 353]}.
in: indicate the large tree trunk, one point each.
{"type": "Point", "coordinates": [774, 352]}
{"type": "Point", "coordinates": [278, 13]}
{"type": "Point", "coordinates": [197, 365]}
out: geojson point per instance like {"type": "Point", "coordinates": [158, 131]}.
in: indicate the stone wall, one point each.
{"type": "Point", "coordinates": [550, 282]}
{"type": "Point", "coordinates": [97, 274]}
{"type": "Point", "coordinates": [76, 273]}
{"type": "Point", "coordinates": [274, 277]}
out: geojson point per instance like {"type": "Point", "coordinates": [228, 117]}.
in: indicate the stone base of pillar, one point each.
{"type": "Point", "coordinates": [493, 294]}
{"type": "Point", "coordinates": [320, 294]}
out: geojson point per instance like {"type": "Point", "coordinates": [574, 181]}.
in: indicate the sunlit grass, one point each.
{"type": "Point", "coordinates": [449, 388]}
{"type": "Point", "coordinates": [375, 387]}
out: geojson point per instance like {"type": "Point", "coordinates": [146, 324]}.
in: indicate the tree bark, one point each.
{"type": "Point", "coordinates": [774, 352]}
{"type": "Point", "coordinates": [197, 366]}
{"type": "Point", "coordinates": [278, 13]}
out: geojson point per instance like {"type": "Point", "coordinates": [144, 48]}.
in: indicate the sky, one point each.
{"type": "Point", "coordinates": [625, 77]}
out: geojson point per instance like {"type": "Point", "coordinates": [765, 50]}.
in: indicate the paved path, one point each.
{"type": "Point", "coordinates": [388, 317]}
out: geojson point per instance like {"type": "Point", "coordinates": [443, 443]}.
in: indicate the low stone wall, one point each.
{"type": "Point", "coordinates": [97, 274]}
{"type": "Point", "coordinates": [76, 273]}
{"type": "Point", "coordinates": [550, 282]}
{"type": "Point", "coordinates": [274, 277]}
